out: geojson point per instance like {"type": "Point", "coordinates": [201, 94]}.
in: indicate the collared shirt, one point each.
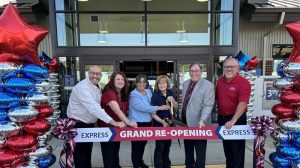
{"type": "Point", "coordinates": [84, 103]}
{"type": "Point", "coordinates": [108, 96]}
{"type": "Point", "coordinates": [139, 106]}
{"type": "Point", "coordinates": [159, 99]}
{"type": "Point", "coordinates": [230, 94]}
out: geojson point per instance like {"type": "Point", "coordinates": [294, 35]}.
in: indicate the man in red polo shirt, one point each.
{"type": "Point", "coordinates": [233, 93]}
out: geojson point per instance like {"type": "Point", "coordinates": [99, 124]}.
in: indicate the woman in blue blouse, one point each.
{"type": "Point", "coordinates": [140, 112]}
{"type": "Point", "coordinates": [162, 95]}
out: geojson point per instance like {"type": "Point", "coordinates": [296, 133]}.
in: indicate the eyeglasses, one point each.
{"type": "Point", "coordinates": [230, 67]}
{"type": "Point", "coordinates": [194, 71]}
{"type": "Point", "coordinates": [96, 73]}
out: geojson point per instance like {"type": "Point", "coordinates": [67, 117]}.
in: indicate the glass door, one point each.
{"type": "Point", "coordinates": [107, 70]}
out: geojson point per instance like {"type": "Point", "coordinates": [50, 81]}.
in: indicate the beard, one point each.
{"type": "Point", "coordinates": [229, 75]}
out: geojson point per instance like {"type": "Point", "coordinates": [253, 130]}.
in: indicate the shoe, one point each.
{"type": "Point", "coordinates": [144, 166]}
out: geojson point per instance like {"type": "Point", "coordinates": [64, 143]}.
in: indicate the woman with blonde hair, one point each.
{"type": "Point", "coordinates": [163, 95]}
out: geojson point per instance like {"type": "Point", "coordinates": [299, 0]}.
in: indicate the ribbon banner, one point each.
{"type": "Point", "coordinates": [163, 133]}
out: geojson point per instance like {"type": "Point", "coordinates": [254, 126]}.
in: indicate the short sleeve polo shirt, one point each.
{"type": "Point", "coordinates": [230, 94]}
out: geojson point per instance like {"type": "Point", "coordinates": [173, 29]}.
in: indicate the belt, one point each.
{"type": "Point", "coordinates": [79, 121]}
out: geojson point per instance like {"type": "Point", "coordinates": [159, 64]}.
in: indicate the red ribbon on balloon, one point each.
{"type": "Point", "coordinates": [64, 130]}
{"type": "Point", "coordinates": [261, 126]}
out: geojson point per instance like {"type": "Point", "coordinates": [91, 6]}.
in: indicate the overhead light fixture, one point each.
{"type": "Point", "coordinates": [102, 38]}
{"type": "Point", "coordinates": [202, 0]}
{"type": "Point", "coordinates": [146, 0]}
{"type": "Point", "coordinates": [180, 27]}
{"type": "Point", "coordinates": [183, 37]}
{"type": "Point", "coordinates": [102, 31]}
{"type": "Point", "coordinates": [82, 0]}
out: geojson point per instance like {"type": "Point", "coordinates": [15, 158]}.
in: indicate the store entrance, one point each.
{"type": "Point", "coordinates": [150, 68]}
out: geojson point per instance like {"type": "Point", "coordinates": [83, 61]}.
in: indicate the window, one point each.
{"type": "Point", "coordinates": [224, 28]}
{"type": "Point", "coordinates": [66, 29]}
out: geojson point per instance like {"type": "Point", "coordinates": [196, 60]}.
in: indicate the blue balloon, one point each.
{"type": "Point", "coordinates": [279, 68]}
{"type": "Point", "coordinates": [19, 86]}
{"type": "Point", "coordinates": [279, 161]}
{"type": "Point", "coordinates": [7, 101]}
{"type": "Point", "coordinates": [243, 59]}
{"type": "Point", "coordinates": [36, 72]}
{"type": "Point", "coordinates": [44, 57]}
{"type": "Point", "coordinates": [47, 161]}
{"type": "Point", "coordinates": [289, 151]}
{"type": "Point", "coordinates": [8, 75]}
{"type": "Point", "coordinates": [3, 115]}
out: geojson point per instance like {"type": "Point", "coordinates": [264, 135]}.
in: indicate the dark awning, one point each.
{"type": "Point", "coordinates": [271, 10]}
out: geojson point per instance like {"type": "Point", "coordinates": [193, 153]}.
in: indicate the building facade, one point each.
{"type": "Point", "coordinates": [160, 36]}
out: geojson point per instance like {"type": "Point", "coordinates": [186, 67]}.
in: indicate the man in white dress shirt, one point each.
{"type": "Point", "coordinates": [84, 107]}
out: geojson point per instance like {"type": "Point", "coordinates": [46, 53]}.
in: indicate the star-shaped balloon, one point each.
{"type": "Point", "coordinates": [242, 58]}
{"type": "Point", "coordinates": [252, 63]}
{"type": "Point", "coordinates": [294, 31]}
{"type": "Point", "coordinates": [18, 40]}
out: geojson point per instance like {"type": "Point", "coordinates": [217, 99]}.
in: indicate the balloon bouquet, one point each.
{"type": "Point", "coordinates": [247, 70]}
{"type": "Point", "coordinates": [287, 135]}
{"type": "Point", "coordinates": [28, 94]}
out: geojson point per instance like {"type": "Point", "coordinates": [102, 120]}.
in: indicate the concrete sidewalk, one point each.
{"type": "Point", "coordinates": [214, 154]}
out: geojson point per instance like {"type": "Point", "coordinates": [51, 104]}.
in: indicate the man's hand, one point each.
{"type": "Point", "coordinates": [117, 124]}
{"type": "Point", "coordinates": [201, 124]}
{"type": "Point", "coordinates": [229, 124]}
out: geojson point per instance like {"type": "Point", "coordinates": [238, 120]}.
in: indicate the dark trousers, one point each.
{"type": "Point", "coordinates": [200, 148]}
{"type": "Point", "coordinates": [83, 151]}
{"type": "Point", "coordinates": [110, 154]}
{"type": "Point", "coordinates": [138, 148]}
{"type": "Point", "coordinates": [234, 149]}
{"type": "Point", "coordinates": [161, 154]}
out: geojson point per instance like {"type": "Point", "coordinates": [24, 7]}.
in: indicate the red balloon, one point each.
{"type": "Point", "coordinates": [9, 157]}
{"type": "Point", "coordinates": [296, 84]}
{"type": "Point", "coordinates": [21, 142]}
{"type": "Point", "coordinates": [37, 127]}
{"type": "Point", "coordinates": [291, 98]}
{"type": "Point", "coordinates": [283, 110]}
{"type": "Point", "coordinates": [53, 65]}
{"type": "Point", "coordinates": [44, 110]}
{"type": "Point", "coordinates": [252, 63]}
{"type": "Point", "coordinates": [18, 38]}
{"type": "Point", "coordinates": [294, 31]}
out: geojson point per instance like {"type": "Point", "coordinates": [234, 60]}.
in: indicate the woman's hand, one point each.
{"type": "Point", "coordinates": [117, 124]}
{"type": "Point", "coordinates": [163, 107]}
{"type": "Point", "coordinates": [164, 123]}
{"type": "Point", "coordinates": [132, 124]}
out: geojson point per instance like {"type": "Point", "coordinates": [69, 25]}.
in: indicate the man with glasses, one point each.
{"type": "Point", "coordinates": [233, 93]}
{"type": "Point", "coordinates": [84, 107]}
{"type": "Point", "coordinates": [198, 97]}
